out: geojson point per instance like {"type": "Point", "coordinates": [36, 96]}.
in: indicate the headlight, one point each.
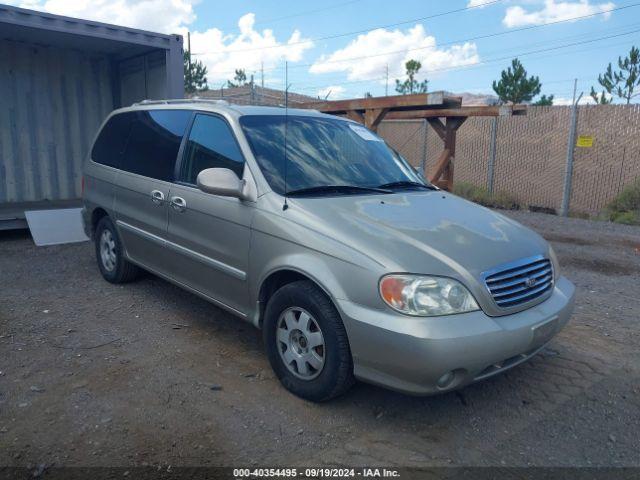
{"type": "Point", "coordinates": [426, 296]}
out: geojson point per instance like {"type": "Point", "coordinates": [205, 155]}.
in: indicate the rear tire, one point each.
{"type": "Point", "coordinates": [110, 254]}
{"type": "Point", "coordinates": [307, 343]}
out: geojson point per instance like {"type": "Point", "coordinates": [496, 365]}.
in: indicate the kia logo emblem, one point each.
{"type": "Point", "coordinates": [530, 282]}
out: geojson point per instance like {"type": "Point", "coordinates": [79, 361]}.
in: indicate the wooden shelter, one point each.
{"type": "Point", "coordinates": [444, 113]}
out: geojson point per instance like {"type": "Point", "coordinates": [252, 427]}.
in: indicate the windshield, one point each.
{"type": "Point", "coordinates": [322, 152]}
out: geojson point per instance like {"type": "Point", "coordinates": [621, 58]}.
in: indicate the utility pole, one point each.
{"type": "Point", "coordinates": [568, 174]}
{"type": "Point", "coordinates": [492, 154]}
{"type": "Point", "coordinates": [386, 83]}
{"type": "Point", "coordinates": [189, 49]}
{"type": "Point", "coordinates": [262, 74]}
{"type": "Point", "coordinates": [287, 85]}
{"type": "Point", "coordinates": [253, 100]}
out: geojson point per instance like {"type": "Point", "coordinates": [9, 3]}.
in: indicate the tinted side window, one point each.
{"type": "Point", "coordinates": [211, 144]}
{"type": "Point", "coordinates": [111, 141]}
{"type": "Point", "coordinates": [154, 141]}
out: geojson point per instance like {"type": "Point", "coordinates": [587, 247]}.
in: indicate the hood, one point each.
{"type": "Point", "coordinates": [430, 232]}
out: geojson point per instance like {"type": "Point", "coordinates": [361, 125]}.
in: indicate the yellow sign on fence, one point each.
{"type": "Point", "coordinates": [585, 141]}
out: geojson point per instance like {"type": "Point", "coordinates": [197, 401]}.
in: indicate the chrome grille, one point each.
{"type": "Point", "coordinates": [520, 282]}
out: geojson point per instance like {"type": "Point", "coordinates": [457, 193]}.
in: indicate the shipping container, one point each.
{"type": "Point", "coordinates": [59, 78]}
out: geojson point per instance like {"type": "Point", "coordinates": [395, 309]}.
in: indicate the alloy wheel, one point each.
{"type": "Point", "coordinates": [108, 250]}
{"type": "Point", "coordinates": [300, 343]}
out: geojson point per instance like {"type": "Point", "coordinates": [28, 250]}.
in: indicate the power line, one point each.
{"type": "Point", "coordinates": [307, 12]}
{"type": "Point", "coordinates": [582, 79]}
{"type": "Point", "coordinates": [498, 59]}
{"type": "Point", "coordinates": [487, 62]}
{"type": "Point", "coordinates": [470, 39]}
{"type": "Point", "coordinates": [530, 45]}
{"type": "Point", "coordinates": [452, 42]}
{"type": "Point", "coordinates": [346, 34]}
{"type": "Point", "coordinates": [294, 15]}
{"type": "Point", "coordinates": [484, 64]}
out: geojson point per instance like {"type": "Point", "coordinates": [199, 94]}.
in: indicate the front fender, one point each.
{"type": "Point", "coordinates": [343, 273]}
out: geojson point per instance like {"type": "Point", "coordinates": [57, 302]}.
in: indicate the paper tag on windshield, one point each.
{"type": "Point", "coordinates": [364, 133]}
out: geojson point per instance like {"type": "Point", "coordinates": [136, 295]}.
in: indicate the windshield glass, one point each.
{"type": "Point", "coordinates": [322, 152]}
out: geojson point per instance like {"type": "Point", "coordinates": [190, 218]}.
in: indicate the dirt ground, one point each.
{"type": "Point", "coordinates": [94, 374]}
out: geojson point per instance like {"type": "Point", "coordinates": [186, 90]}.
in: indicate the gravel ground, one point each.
{"type": "Point", "coordinates": [94, 374]}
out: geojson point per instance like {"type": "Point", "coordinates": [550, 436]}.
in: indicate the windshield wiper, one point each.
{"type": "Point", "coordinates": [406, 183]}
{"type": "Point", "coordinates": [335, 189]}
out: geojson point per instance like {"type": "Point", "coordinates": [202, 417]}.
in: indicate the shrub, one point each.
{"type": "Point", "coordinates": [625, 208]}
{"type": "Point", "coordinates": [482, 196]}
{"type": "Point", "coordinates": [628, 218]}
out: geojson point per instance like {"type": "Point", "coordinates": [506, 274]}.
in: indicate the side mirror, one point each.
{"type": "Point", "coordinates": [221, 181]}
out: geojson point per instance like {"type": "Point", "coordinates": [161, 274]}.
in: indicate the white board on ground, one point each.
{"type": "Point", "coordinates": [53, 227]}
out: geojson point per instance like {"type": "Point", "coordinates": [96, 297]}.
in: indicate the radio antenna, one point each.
{"type": "Point", "coordinates": [286, 122]}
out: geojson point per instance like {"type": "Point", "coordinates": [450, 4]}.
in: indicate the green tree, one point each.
{"type": "Point", "coordinates": [601, 98]}
{"type": "Point", "coordinates": [544, 101]}
{"type": "Point", "coordinates": [411, 85]}
{"type": "Point", "coordinates": [622, 83]}
{"type": "Point", "coordinates": [195, 75]}
{"type": "Point", "coordinates": [514, 86]}
{"type": "Point", "coordinates": [239, 79]}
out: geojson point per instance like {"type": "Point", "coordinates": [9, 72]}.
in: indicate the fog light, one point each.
{"type": "Point", "coordinates": [446, 379]}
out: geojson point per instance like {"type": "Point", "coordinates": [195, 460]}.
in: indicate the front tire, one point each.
{"type": "Point", "coordinates": [307, 343]}
{"type": "Point", "coordinates": [110, 254]}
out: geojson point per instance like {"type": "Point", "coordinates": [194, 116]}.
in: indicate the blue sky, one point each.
{"type": "Point", "coordinates": [251, 34]}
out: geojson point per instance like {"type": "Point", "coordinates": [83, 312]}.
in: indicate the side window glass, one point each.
{"type": "Point", "coordinates": [111, 141]}
{"type": "Point", "coordinates": [211, 144]}
{"type": "Point", "coordinates": [154, 142]}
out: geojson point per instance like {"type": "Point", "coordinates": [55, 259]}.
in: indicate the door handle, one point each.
{"type": "Point", "coordinates": [157, 197]}
{"type": "Point", "coordinates": [178, 204]}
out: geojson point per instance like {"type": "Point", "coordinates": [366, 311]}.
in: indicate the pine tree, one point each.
{"type": "Point", "coordinates": [544, 101]}
{"type": "Point", "coordinates": [411, 85]}
{"type": "Point", "coordinates": [514, 86]}
{"type": "Point", "coordinates": [239, 79]}
{"type": "Point", "coordinates": [195, 75]}
{"type": "Point", "coordinates": [622, 83]}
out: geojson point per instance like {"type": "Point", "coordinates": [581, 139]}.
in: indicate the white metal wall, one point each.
{"type": "Point", "coordinates": [52, 101]}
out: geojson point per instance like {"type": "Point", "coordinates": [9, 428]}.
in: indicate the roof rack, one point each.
{"type": "Point", "coordinates": [178, 101]}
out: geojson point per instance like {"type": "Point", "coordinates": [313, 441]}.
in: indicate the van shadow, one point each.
{"type": "Point", "coordinates": [511, 389]}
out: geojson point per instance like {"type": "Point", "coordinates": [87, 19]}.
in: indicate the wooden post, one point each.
{"type": "Point", "coordinates": [356, 116]}
{"type": "Point", "coordinates": [373, 117]}
{"type": "Point", "coordinates": [442, 174]}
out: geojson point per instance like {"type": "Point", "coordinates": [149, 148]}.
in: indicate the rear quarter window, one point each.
{"type": "Point", "coordinates": [111, 141]}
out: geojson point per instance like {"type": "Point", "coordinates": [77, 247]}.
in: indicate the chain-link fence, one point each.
{"type": "Point", "coordinates": [529, 153]}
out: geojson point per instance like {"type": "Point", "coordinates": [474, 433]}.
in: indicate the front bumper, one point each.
{"type": "Point", "coordinates": [411, 354]}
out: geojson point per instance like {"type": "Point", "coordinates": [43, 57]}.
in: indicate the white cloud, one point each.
{"type": "Point", "coordinates": [166, 16]}
{"type": "Point", "coordinates": [554, 11]}
{"type": "Point", "coordinates": [584, 100]}
{"type": "Point", "coordinates": [250, 49]}
{"type": "Point", "coordinates": [477, 3]}
{"type": "Point", "coordinates": [412, 44]}
{"type": "Point", "coordinates": [221, 52]}
{"type": "Point", "coordinates": [331, 92]}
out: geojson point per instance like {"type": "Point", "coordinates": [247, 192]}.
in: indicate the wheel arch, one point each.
{"type": "Point", "coordinates": [98, 214]}
{"type": "Point", "coordinates": [277, 279]}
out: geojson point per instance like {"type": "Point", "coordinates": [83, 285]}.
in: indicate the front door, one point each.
{"type": "Point", "coordinates": [209, 234]}
{"type": "Point", "coordinates": [143, 184]}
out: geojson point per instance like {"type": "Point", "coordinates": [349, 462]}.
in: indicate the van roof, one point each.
{"type": "Point", "coordinates": [219, 105]}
